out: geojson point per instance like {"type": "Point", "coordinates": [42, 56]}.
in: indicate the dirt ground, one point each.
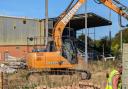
{"type": "Point", "coordinates": [98, 70]}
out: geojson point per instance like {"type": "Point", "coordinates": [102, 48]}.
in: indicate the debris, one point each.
{"type": "Point", "coordinates": [6, 69]}
{"type": "Point", "coordinates": [12, 67]}
{"type": "Point", "coordinates": [80, 85]}
{"type": "Point", "coordinates": [17, 65]}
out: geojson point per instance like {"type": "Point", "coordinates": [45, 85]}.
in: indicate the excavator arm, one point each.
{"type": "Point", "coordinates": [69, 13]}
{"type": "Point", "coordinates": [63, 21]}
{"type": "Point", "coordinates": [114, 7]}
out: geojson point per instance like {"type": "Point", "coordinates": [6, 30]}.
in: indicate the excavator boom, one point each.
{"type": "Point", "coordinates": [62, 22]}
{"type": "Point", "coordinates": [66, 17]}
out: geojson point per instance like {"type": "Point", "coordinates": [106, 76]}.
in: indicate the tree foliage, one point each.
{"type": "Point", "coordinates": [117, 39]}
{"type": "Point", "coordinates": [89, 40]}
{"type": "Point", "coordinates": [103, 45]}
{"type": "Point", "coordinates": [110, 46]}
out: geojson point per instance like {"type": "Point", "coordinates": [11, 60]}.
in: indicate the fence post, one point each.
{"type": "Point", "coordinates": [1, 80]}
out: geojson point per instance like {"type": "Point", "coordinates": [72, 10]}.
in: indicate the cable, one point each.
{"type": "Point", "coordinates": [69, 6]}
{"type": "Point", "coordinates": [97, 1]}
{"type": "Point", "coordinates": [124, 7]}
{"type": "Point", "coordinates": [66, 10]}
{"type": "Point", "coordinates": [64, 13]}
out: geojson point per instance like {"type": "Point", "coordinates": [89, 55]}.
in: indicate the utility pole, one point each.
{"type": "Point", "coordinates": [121, 37]}
{"type": "Point", "coordinates": [121, 40]}
{"type": "Point", "coordinates": [46, 22]}
{"type": "Point", "coordinates": [103, 50]}
{"type": "Point", "coordinates": [86, 36]}
{"type": "Point", "coordinates": [110, 28]}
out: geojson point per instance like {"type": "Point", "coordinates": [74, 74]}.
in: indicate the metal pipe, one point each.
{"type": "Point", "coordinates": [120, 28]}
{"type": "Point", "coordinates": [110, 28]}
{"type": "Point", "coordinates": [46, 22]}
{"type": "Point", "coordinates": [120, 22]}
{"type": "Point", "coordinates": [86, 32]}
{"type": "Point", "coordinates": [124, 7]}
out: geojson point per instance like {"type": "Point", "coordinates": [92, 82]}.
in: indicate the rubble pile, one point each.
{"type": "Point", "coordinates": [80, 85]}
{"type": "Point", "coordinates": [11, 67]}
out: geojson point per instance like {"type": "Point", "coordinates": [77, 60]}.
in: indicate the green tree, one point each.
{"type": "Point", "coordinates": [82, 38]}
{"type": "Point", "coordinates": [116, 41]}
{"type": "Point", "coordinates": [103, 43]}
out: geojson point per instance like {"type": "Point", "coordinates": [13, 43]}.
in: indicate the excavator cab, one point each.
{"type": "Point", "coordinates": [69, 49]}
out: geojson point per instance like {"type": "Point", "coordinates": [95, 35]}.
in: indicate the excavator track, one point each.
{"type": "Point", "coordinates": [83, 74]}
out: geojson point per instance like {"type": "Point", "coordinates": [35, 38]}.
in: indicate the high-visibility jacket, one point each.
{"type": "Point", "coordinates": [109, 81]}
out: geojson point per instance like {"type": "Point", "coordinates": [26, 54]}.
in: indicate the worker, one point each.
{"type": "Point", "coordinates": [114, 78]}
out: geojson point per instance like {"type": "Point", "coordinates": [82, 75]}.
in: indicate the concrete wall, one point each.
{"type": "Point", "coordinates": [125, 66]}
{"type": "Point", "coordinates": [14, 32]}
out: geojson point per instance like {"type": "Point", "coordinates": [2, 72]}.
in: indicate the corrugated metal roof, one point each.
{"type": "Point", "coordinates": [93, 20]}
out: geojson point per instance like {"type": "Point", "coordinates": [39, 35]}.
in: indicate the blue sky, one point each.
{"type": "Point", "coordinates": [36, 9]}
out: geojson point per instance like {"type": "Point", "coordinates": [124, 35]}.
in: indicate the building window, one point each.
{"type": "Point", "coordinates": [14, 27]}
{"type": "Point", "coordinates": [24, 21]}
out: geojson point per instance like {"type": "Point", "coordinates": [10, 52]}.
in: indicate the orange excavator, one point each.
{"type": "Point", "coordinates": [54, 58]}
{"type": "Point", "coordinates": [63, 57]}
{"type": "Point", "coordinates": [58, 57]}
